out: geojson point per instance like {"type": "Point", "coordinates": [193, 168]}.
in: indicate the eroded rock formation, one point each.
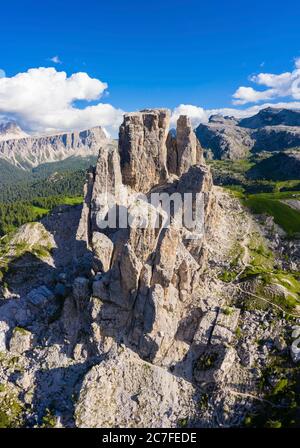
{"type": "Point", "coordinates": [184, 148]}
{"type": "Point", "coordinates": [145, 277]}
{"type": "Point", "coordinates": [142, 146]}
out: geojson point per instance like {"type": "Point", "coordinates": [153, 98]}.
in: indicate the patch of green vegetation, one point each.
{"type": "Point", "coordinates": [227, 276]}
{"type": "Point", "coordinates": [237, 190]}
{"type": "Point", "coordinates": [279, 287]}
{"type": "Point", "coordinates": [240, 166]}
{"type": "Point", "coordinates": [282, 405]}
{"type": "Point", "coordinates": [235, 255]}
{"type": "Point", "coordinates": [228, 311]}
{"type": "Point", "coordinates": [287, 289]}
{"type": "Point", "coordinates": [41, 251]}
{"type": "Point", "coordinates": [286, 217]}
{"type": "Point", "coordinates": [20, 330]}
{"type": "Point", "coordinates": [203, 402]}
{"type": "Point", "coordinates": [11, 408]}
{"type": "Point", "coordinates": [76, 200]}
{"type": "Point", "coordinates": [281, 386]}
{"type": "Point", "coordinates": [273, 424]}
{"type": "Point", "coordinates": [248, 421]}
{"type": "Point", "coordinates": [238, 333]}
{"type": "Point", "coordinates": [261, 258]}
{"type": "Point", "coordinates": [183, 422]}
{"type": "Point", "coordinates": [206, 361]}
{"type": "Point", "coordinates": [10, 251]}
{"type": "Point", "coordinates": [49, 420]}
{"type": "Point", "coordinates": [11, 362]}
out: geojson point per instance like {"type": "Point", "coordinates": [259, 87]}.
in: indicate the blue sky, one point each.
{"type": "Point", "coordinates": [156, 53]}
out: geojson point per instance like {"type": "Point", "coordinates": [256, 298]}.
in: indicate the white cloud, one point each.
{"type": "Point", "coordinates": [44, 100]}
{"type": "Point", "coordinates": [278, 86]}
{"type": "Point", "coordinates": [196, 114]}
{"type": "Point", "coordinates": [2, 73]}
{"type": "Point", "coordinates": [56, 60]}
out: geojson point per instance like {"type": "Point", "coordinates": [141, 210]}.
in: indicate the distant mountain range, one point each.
{"type": "Point", "coordinates": [270, 130]}
{"type": "Point", "coordinates": [26, 152]}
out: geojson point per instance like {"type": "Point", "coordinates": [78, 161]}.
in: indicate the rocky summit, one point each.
{"type": "Point", "coordinates": [141, 325]}
{"type": "Point", "coordinates": [11, 131]}
{"type": "Point", "coordinates": [270, 130]}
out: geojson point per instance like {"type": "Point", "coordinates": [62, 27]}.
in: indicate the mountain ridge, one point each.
{"type": "Point", "coordinates": [270, 129]}
{"type": "Point", "coordinates": [30, 151]}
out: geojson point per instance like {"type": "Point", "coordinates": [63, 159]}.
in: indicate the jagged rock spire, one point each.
{"type": "Point", "coordinates": [184, 149]}
{"type": "Point", "coordinates": [142, 147]}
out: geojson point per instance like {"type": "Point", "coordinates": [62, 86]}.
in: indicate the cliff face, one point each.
{"type": "Point", "coordinates": [142, 148]}
{"type": "Point", "coordinates": [30, 152]}
{"type": "Point", "coordinates": [269, 130]}
{"type": "Point", "coordinates": [146, 279]}
{"type": "Point", "coordinates": [145, 276]}
{"type": "Point", "coordinates": [225, 138]}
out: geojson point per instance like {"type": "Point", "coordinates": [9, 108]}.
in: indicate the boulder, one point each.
{"type": "Point", "coordinates": [103, 250]}
{"type": "Point", "coordinates": [124, 391]}
{"type": "Point", "coordinates": [214, 364]}
{"type": "Point", "coordinates": [20, 341]}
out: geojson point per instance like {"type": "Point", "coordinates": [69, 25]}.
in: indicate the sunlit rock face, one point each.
{"type": "Point", "coordinates": [28, 152]}
{"type": "Point", "coordinates": [145, 277]}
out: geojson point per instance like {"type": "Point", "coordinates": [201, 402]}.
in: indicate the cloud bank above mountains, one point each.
{"type": "Point", "coordinates": [199, 115]}
{"type": "Point", "coordinates": [45, 100]}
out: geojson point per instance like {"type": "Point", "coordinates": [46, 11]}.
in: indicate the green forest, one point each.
{"type": "Point", "coordinates": [27, 196]}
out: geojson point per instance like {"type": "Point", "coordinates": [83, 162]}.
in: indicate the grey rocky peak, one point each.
{"type": "Point", "coordinates": [142, 147]}
{"type": "Point", "coordinates": [186, 144]}
{"type": "Point", "coordinates": [224, 138]}
{"type": "Point", "coordinates": [223, 120]}
{"type": "Point", "coordinates": [27, 152]}
{"type": "Point", "coordinates": [271, 129]}
{"type": "Point", "coordinates": [146, 277]}
{"type": "Point", "coordinates": [272, 116]}
{"type": "Point", "coordinates": [11, 131]}
{"type": "Point", "coordinates": [184, 149]}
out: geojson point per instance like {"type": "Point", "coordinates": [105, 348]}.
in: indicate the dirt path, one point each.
{"type": "Point", "coordinates": [254, 397]}
{"type": "Point", "coordinates": [293, 203]}
{"type": "Point", "coordinates": [245, 248]}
